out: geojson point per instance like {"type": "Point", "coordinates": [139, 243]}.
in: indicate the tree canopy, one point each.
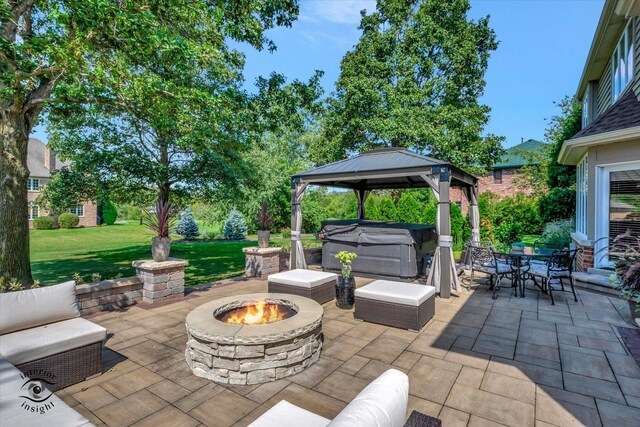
{"type": "Point", "coordinates": [114, 55]}
{"type": "Point", "coordinates": [413, 80]}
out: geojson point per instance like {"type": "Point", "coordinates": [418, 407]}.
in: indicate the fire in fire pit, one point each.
{"type": "Point", "coordinates": [256, 314]}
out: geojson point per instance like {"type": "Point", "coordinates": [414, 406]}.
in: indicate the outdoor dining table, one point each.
{"type": "Point", "coordinates": [520, 262]}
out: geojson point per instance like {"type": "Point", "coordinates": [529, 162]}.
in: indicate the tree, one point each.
{"type": "Point", "coordinates": [187, 226]}
{"type": "Point", "coordinates": [235, 228]}
{"type": "Point", "coordinates": [413, 80]}
{"type": "Point", "coordinates": [77, 51]}
{"type": "Point", "coordinates": [560, 201]}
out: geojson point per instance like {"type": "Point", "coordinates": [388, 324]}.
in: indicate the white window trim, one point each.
{"type": "Point", "coordinates": [33, 179]}
{"type": "Point", "coordinates": [30, 212]}
{"type": "Point", "coordinates": [582, 196]}
{"type": "Point", "coordinates": [602, 209]}
{"type": "Point", "coordinates": [74, 212]}
{"type": "Point", "coordinates": [628, 66]}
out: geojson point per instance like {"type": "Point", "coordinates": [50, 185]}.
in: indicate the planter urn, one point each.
{"type": "Point", "coordinates": [345, 289]}
{"type": "Point", "coordinates": [263, 238]}
{"type": "Point", "coordinates": [160, 248]}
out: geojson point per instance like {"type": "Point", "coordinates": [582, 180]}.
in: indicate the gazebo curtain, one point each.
{"type": "Point", "coordinates": [296, 258]}
{"type": "Point", "coordinates": [361, 196]}
{"type": "Point", "coordinates": [471, 194]}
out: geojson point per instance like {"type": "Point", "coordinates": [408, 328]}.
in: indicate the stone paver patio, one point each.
{"type": "Point", "coordinates": [510, 361]}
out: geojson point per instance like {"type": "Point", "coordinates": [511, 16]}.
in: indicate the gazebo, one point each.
{"type": "Point", "coordinates": [394, 168]}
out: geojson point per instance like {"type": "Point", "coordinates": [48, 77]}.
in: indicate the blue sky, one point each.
{"type": "Point", "coordinates": [543, 47]}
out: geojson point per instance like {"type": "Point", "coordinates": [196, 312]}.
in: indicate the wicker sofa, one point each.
{"type": "Point", "coordinates": [41, 331]}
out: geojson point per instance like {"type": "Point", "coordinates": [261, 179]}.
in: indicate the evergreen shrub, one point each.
{"type": "Point", "coordinates": [109, 212]}
{"type": "Point", "coordinates": [187, 226]}
{"type": "Point", "coordinates": [68, 220]}
{"type": "Point", "coordinates": [43, 223]}
{"type": "Point", "coordinates": [235, 227]}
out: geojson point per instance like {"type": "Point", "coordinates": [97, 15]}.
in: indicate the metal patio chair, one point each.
{"type": "Point", "coordinates": [556, 269]}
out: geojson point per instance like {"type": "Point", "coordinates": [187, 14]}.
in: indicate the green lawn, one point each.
{"type": "Point", "coordinates": [109, 251]}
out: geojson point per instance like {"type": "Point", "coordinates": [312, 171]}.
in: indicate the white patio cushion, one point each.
{"type": "Point", "coordinates": [42, 341]}
{"type": "Point", "coordinates": [303, 278]}
{"type": "Point", "coordinates": [396, 292]}
{"type": "Point", "coordinates": [13, 413]}
{"type": "Point", "coordinates": [39, 306]}
{"type": "Point", "coordinates": [284, 414]}
{"type": "Point", "coordinates": [383, 403]}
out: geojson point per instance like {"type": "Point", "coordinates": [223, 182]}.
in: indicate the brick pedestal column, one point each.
{"type": "Point", "coordinates": [260, 262]}
{"type": "Point", "coordinates": [161, 280]}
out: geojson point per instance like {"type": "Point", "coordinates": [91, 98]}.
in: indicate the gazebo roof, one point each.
{"type": "Point", "coordinates": [384, 168]}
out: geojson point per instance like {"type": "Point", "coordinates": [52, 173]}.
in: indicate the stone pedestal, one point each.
{"type": "Point", "coordinates": [161, 280]}
{"type": "Point", "coordinates": [260, 262]}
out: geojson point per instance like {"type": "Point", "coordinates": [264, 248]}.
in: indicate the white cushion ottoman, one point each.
{"type": "Point", "coordinates": [398, 304]}
{"type": "Point", "coordinates": [317, 285]}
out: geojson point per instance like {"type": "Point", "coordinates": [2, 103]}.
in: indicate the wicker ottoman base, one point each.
{"type": "Point", "coordinates": [64, 369]}
{"type": "Point", "coordinates": [320, 294]}
{"type": "Point", "coordinates": [397, 315]}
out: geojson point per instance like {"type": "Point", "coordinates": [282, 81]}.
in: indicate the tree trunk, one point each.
{"type": "Point", "coordinates": [14, 224]}
{"type": "Point", "coordinates": [164, 186]}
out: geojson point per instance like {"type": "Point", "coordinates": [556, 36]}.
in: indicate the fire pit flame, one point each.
{"type": "Point", "coordinates": [256, 314]}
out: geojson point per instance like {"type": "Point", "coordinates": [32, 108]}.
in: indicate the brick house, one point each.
{"type": "Point", "coordinates": [41, 163]}
{"type": "Point", "coordinates": [606, 152]}
{"type": "Point", "coordinates": [501, 179]}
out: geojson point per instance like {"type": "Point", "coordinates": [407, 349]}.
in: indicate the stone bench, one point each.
{"type": "Point", "coordinates": [317, 285]}
{"type": "Point", "coordinates": [398, 304]}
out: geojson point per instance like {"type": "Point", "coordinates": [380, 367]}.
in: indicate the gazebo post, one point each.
{"type": "Point", "coordinates": [361, 196]}
{"type": "Point", "coordinates": [296, 257]}
{"type": "Point", "coordinates": [444, 239]}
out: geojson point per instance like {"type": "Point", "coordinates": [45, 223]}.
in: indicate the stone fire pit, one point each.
{"type": "Point", "coordinates": [253, 354]}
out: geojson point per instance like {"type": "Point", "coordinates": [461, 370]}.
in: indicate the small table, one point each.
{"type": "Point", "coordinates": [517, 260]}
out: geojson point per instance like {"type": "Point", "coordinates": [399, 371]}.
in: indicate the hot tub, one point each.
{"type": "Point", "coordinates": [391, 250]}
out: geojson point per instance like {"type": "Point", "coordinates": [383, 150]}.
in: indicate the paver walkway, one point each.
{"type": "Point", "coordinates": [511, 361]}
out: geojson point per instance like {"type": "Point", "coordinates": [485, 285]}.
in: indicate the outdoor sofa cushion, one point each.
{"type": "Point", "coordinates": [40, 306]}
{"type": "Point", "coordinates": [285, 414]}
{"type": "Point", "coordinates": [383, 403]}
{"type": "Point", "coordinates": [42, 341]}
{"type": "Point", "coordinates": [16, 410]}
{"type": "Point", "coordinates": [303, 278]}
{"type": "Point", "coordinates": [542, 270]}
{"type": "Point", "coordinates": [396, 292]}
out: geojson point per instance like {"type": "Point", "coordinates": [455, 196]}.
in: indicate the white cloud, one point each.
{"type": "Point", "coordinates": [346, 12]}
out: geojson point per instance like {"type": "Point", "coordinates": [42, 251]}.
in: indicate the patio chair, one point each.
{"type": "Point", "coordinates": [557, 268]}
{"type": "Point", "coordinates": [544, 248]}
{"type": "Point", "coordinates": [485, 260]}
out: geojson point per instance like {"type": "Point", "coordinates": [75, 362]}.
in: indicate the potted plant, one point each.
{"type": "Point", "coordinates": [346, 283]}
{"type": "Point", "coordinates": [264, 225]}
{"type": "Point", "coordinates": [159, 222]}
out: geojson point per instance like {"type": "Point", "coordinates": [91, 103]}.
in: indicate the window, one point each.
{"type": "Point", "coordinates": [624, 210]}
{"type": "Point", "coordinates": [581, 196]}
{"type": "Point", "coordinates": [78, 210]}
{"type": "Point", "coordinates": [33, 184]}
{"type": "Point", "coordinates": [585, 109]}
{"type": "Point", "coordinates": [622, 62]}
{"type": "Point", "coordinates": [497, 176]}
{"type": "Point", "coordinates": [33, 212]}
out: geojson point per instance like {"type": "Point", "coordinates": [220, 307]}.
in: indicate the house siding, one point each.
{"type": "Point", "coordinates": [604, 95]}
{"type": "Point", "coordinates": [636, 54]}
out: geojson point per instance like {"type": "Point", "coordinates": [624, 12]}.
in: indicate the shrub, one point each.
{"type": "Point", "coordinates": [409, 209]}
{"type": "Point", "coordinates": [558, 203]}
{"type": "Point", "coordinates": [558, 232]}
{"type": "Point", "coordinates": [187, 226]}
{"type": "Point", "coordinates": [286, 233]}
{"type": "Point", "coordinates": [109, 212]}
{"type": "Point", "coordinates": [235, 228]}
{"type": "Point", "coordinates": [43, 223]}
{"type": "Point", "coordinates": [509, 232]}
{"type": "Point", "coordinates": [387, 210]}
{"type": "Point", "coordinates": [130, 212]}
{"type": "Point", "coordinates": [68, 220]}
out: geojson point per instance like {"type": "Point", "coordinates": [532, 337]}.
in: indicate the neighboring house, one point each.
{"type": "Point", "coordinates": [606, 151]}
{"type": "Point", "coordinates": [41, 163]}
{"type": "Point", "coordinates": [501, 179]}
